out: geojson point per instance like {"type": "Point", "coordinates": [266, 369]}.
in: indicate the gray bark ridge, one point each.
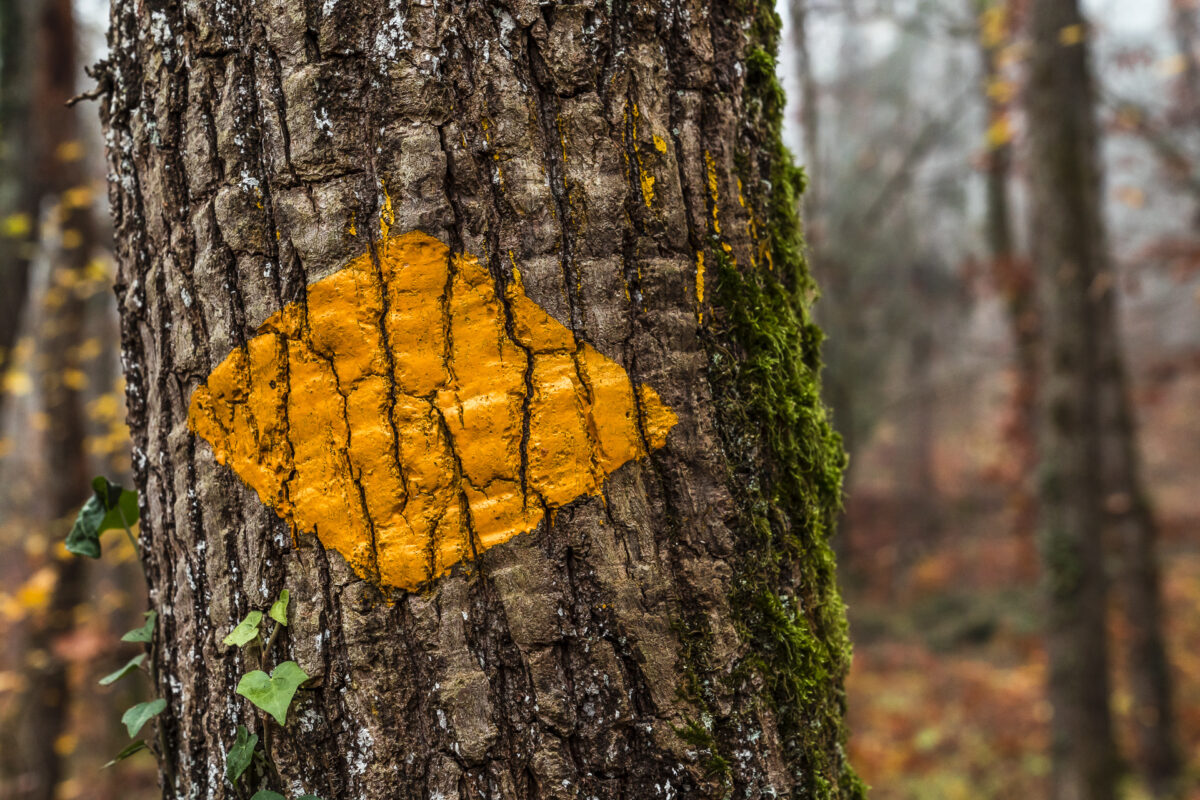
{"type": "Point", "coordinates": [254, 149]}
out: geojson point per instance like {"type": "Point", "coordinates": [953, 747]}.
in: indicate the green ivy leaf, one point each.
{"type": "Point", "coordinates": [240, 754]}
{"type": "Point", "coordinates": [273, 694]}
{"type": "Point", "coordinates": [144, 633]}
{"type": "Point", "coordinates": [279, 608]}
{"type": "Point", "coordinates": [142, 713]}
{"type": "Point", "coordinates": [133, 664]}
{"type": "Point", "coordinates": [129, 750]}
{"type": "Point", "coordinates": [102, 512]}
{"type": "Point", "coordinates": [246, 630]}
{"type": "Point", "coordinates": [267, 794]}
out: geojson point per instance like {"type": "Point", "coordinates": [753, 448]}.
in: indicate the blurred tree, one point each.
{"type": "Point", "coordinates": [18, 194]}
{"type": "Point", "coordinates": [54, 193]}
{"type": "Point", "coordinates": [1185, 24]}
{"type": "Point", "coordinates": [1091, 480]}
{"type": "Point", "coordinates": [884, 244]}
{"type": "Point", "coordinates": [685, 630]}
{"type": "Point", "coordinates": [1011, 274]}
{"type": "Point", "coordinates": [810, 117]}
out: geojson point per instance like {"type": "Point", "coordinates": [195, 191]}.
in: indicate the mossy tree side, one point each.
{"type": "Point", "coordinates": [683, 630]}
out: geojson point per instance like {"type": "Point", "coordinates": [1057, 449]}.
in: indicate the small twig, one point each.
{"type": "Point", "coordinates": [268, 731]}
{"type": "Point", "coordinates": [262, 662]}
{"type": "Point", "coordinates": [266, 723]}
{"type": "Point", "coordinates": [90, 94]}
{"type": "Point", "coordinates": [137, 551]}
{"type": "Point", "coordinates": [99, 73]}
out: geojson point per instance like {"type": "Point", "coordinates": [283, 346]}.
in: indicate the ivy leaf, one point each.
{"type": "Point", "coordinates": [240, 754]}
{"type": "Point", "coordinates": [267, 794]}
{"type": "Point", "coordinates": [273, 694]}
{"type": "Point", "coordinates": [129, 750]}
{"type": "Point", "coordinates": [144, 633]}
{"type": "Point", "coordinates": [246, 630]}
{"type": "Point", "coordinates": [133, 664]}
{"type": "Point", "coordinates": [279, 608]}
{"type": "Point", "coordinates": [142, 713]}
{"type": "Point", "coordinates": [102, 512]}
{"type": "Point", "coordinates": [84, 538]}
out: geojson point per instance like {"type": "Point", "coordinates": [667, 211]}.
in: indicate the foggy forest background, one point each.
{"type": "Point", "coordinates": [901, 111]}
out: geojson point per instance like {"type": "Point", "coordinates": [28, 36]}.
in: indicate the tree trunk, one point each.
{"type": "Point", "coordinates": [1012, 277]}
{"type": "Point", "coordinates": [1070, 256]}
{"type": "Point", "coordinates": [62, 230]}
{"type": "Point", "coordinates": [810, 112]}
{"type": "Point", "coordinates": [1185, 25]}
{"type": "Point", "coordinates": [646, 603]}
{"type": "Point", "coordinates": [18, 197]}
{"type": "Point", "coordinates": [1132, 529]}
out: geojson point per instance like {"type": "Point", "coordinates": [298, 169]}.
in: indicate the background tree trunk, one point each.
{"type": "Point", "coordinates": [680, 636]}
{"type": "Point", "coordinates": [1134, 534]}
{"type": "Point", "coordinates": [1071, 259]}
{"type": "Point", "coordinates": [1185, 24]}
{"type": "Point", "coordinates": [1011, 274]}
{"type": "Point", "coordinates": [52, 185]}
{"type": "Point", "coordinates": [19, 196]}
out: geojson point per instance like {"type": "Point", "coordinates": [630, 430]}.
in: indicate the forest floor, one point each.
{"type": "Point", "coordinates": [947, 694]}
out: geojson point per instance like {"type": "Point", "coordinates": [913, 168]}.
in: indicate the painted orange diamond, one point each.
{"type": "Point", "coordinates": [411, 422]}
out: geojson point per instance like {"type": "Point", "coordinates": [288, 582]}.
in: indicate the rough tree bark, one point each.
{"type": "Point", "coordinates": [619, 164]}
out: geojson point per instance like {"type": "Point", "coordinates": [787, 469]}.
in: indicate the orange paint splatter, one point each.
{"type": "Point", "coordinates": [387, 414]}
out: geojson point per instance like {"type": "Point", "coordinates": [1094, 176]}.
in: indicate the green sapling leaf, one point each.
{"type": "Point", "coordinates": [133, 664]}
{"type": "Point", "coordinates": [273, 694]}
{"type": "Point", "coordinates": [109, 508]}
{"type": "Point", "coordinates": [279, 608]}
{"type": "Point", "coordinates": [129, 750]}
{"type": "Point", "coordinates": [84, 538]}
{"type": "Point", "coordinates": [240, 754]}
{"type": "Point", "coordinates": [144, 633]}
{"type": "Point", "coordinates": [142, 713]}
{"type": "Point", "coordinates": [267, 794]}
{"type": "Point", "coordinates": [246, 630]}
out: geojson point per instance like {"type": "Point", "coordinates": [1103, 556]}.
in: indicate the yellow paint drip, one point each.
{"type": "Point", "coordinates": [700, 285]}
{"type": "Point", "coordinates": [387, 413]}
{"type": "Point", "coordinates": [711, 167]}
{"type": "Point", "coordinates": [645, 179]}
{"type": "Point", "coordinates": [387, 217]}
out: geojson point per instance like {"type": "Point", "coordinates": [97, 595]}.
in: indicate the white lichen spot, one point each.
{"type": "Point", "coordinates": [321, 117]}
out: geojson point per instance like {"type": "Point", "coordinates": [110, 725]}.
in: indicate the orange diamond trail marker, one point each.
{"type": "Point", "coordinates": [386, 414]}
